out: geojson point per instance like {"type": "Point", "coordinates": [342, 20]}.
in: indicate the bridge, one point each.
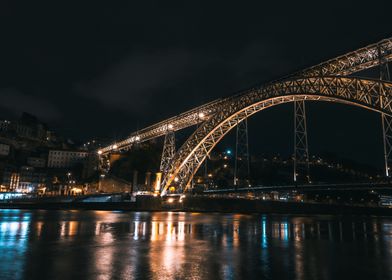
{"type": "Point", "coordinates": [330, 81]}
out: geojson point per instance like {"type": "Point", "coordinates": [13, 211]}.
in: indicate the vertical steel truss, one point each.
{"type": "Point", "coordinates": [301, 154]}
{"type": "Point", "coordinates": [386, 120]}
{"type": "Point", "coordinates": [169, 149]}
{"type": "Point", "coordinates": [241, 164]}
{"type": "Point", "coordinates": [104, 163]}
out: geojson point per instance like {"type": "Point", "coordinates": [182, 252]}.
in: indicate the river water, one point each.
{"type": "Point", "coordinates": [75, 245]}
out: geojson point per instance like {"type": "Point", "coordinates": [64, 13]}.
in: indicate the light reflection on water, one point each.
{"type": "Point", "coordinates": [125, 245]}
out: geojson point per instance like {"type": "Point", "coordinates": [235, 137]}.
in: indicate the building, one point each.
{"type": "Point", "coordinates": [28, 126]}
{"type": "Point", "coordinates": [27, 179]}
{"type": "Point", "coordinates": [65, 158]}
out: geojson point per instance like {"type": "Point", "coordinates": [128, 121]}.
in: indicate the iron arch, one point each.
{"type": "Point", "coordinates": [366, 93]}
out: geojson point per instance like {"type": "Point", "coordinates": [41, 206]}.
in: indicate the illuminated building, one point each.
{"type": "Point", "coordinates": [65, 158]}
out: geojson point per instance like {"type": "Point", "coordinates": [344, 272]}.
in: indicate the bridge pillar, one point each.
{"type": "Point", "coordinates": [386, 120]}
{"type": "Point", "coordinates": [301, 154]}
{"type": "Point", "coordinates": [169, 149]}
{"type": "Point", "coordinates": [104, 163]}
{"type": "Point", "coordinates": [241, 163]}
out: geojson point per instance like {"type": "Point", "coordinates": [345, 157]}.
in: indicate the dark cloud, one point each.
{"type": "Point", "coordinates": [116, 67]}
{"type": "Point", "coordinates": [17, 102]}
{"type": "Point", "coordinates": [132, 83]}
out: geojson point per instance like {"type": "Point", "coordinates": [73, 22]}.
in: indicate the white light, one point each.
{"type": "Point", "coordinates": [170, 126]}
{"type": "Point", "coordinates": [201, 115]}
{"type": "Point", "coordinates": [99, 152]}
{"type": "Point", "coordinates": [176, 179]}
{"type": "Point", "coordinates": [137, 138]}
{"type": "Point", "coordinates": [115, 146]}
{"type": "Point", "coordinates": [170, 200]}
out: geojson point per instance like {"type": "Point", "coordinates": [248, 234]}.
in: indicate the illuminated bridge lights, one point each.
{"type": "Point", "coordinates": [323, 82]}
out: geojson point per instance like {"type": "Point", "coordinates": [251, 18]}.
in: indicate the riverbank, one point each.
{"type": "Point", "coordinates": [204, 204]}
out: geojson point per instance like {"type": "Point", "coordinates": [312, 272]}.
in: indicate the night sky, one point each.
{"type": "Point", "coordinates": [105, 68]}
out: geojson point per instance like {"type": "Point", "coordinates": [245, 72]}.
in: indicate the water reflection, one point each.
{"type": "Point", "coordinates": [121, 245]}
{"type": "Point", "coordinates": [14, 228]}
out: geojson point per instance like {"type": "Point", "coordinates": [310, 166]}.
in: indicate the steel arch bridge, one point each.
{"type": "Point", "coordinates": [328, 81]}
{"type": "Point", "coordinates": [370, 94]}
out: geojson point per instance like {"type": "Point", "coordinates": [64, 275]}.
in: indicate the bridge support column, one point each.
{"type": "Point", "coordinates": [169, 149]}
{"type": "Point", "coordinates": [301, 154]}
{"type": "Point", "coordinates": [386, 121]}
{"type": "Point", "coordinates": [104, 163]}
{"type": "Point", "coordinates": [241, 164]}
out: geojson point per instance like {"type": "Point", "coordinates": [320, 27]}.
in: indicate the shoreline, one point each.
{"type": "Point", "coordinates": [205, 205]}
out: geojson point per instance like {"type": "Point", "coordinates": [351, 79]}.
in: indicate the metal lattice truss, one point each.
{"type": "Point", "coordinates": [184, 120]}
{"type": "Point", "coordinates": [362, 59]}
{"type": "Point", "coordinates": [386, 122]}
{"type": "Point", "coordinates": [355, 91]}
{"type": "Point", "coordinates": [241, 163]}
{"type": "Point", "coordinates": [104, 164]}
{"type": "Point", "coordinates": [168, 152]}
{"type": "Point", "coordinates": [385, 119]}
{"type": "Point", "coordinates": [349, 63]}
{"type": "Point", "coordinates": [301, 154]}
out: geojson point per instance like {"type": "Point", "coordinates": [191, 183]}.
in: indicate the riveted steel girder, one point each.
{"type": "Point", "coordinates": [168, 152]}
{"type": "Point", "coordinates": [184, 120]}
{"type": "Point", "coordinates": [346, 64]}
{"type": "Point", "coordinates": [352, 62]}
{"type": "Point", "coordinates": [301, 153]}
{"type": "Point", "coordinates": [241, 160]}
{"type": "Point", "coordinates": [356, 91]}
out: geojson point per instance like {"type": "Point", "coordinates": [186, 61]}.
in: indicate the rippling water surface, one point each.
{"type": "Point", "coordinates": [125, 245]}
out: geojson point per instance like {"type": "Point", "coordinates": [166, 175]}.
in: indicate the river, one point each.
{"type": "Point", "coordinates": [41, 244]}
